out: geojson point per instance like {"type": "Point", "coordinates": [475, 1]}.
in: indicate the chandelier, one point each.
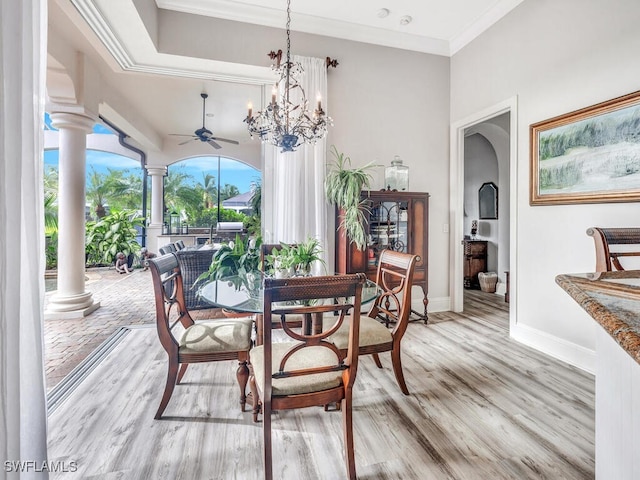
{"type": "Point", "coordinates": [287, 122]}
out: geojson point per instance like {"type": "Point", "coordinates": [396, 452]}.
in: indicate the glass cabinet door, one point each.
{"type": "Point", "coordinates": [388, 223]}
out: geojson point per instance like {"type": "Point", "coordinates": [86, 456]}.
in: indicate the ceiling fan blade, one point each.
{"type": "Point", "coordinates": [179, 135]}
{"type": "Point", "coordinates": [187, 141]}
{"type": "Point", "coordinates": [214, 144]}
{"type": "Point", "coordinates": [225, 140]}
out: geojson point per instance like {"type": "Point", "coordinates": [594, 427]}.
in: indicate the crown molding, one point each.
{"type": "Point", "coordinates": [142, 57]}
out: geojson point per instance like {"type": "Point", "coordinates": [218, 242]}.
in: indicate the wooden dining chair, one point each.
{"type": "Point", "coordinates": [307, 370]}
{"type": "Point", "coordinates": [393, 307]}
{"type": "Point", "coordinates": [186, 341]}
{"type": "Point", "coordinates": [294, 321]}
{"type": "Point", "coordinates": [613, 243]}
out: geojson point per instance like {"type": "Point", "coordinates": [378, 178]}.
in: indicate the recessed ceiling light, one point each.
{"type": "Point", "coordinates": [383, 13]}
{"type": "Point", "coordinates": [406, 20]}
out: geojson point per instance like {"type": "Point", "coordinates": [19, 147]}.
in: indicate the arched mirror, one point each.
{"type": "Point", "coordinates": [488, 201]}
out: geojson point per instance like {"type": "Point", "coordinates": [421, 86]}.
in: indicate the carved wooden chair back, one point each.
{"type": "Point", "coordinates": [307, 369]}
{"type": "Point", "coordinates": [612, 244]}
{"type": "Point", "coordinates": [393, 307]}
{"type": "Point", "coordinates": [186, 341]}
{"type": "Point", "coordinates": [294, 321]}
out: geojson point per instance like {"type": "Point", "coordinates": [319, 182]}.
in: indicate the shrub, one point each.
{"type": "Point", "coordinates": [112, 234]}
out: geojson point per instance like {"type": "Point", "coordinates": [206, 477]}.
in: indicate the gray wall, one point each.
{"type": "Point", "coordinates": [383, 102]}
{"type": "Point", "coordinates": [556, 56]}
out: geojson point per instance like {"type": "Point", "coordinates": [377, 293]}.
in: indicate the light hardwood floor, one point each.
{"type": "Point", "coordinates": [481, 407]}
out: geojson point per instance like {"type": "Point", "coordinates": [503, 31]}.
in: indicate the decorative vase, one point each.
{"type": "Point", "coordinates": [396, 176]}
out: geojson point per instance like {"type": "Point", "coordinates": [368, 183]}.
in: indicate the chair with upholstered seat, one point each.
{"type": "Point", "coordinates": [393, 306]}
{"type": "Point", "coordinates": [613, 243]}
{"type": "Point", "coordinates": [186, 341]}
{"type": "Point", "coordinates": [307, 370]}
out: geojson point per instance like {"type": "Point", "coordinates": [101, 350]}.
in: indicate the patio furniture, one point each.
{"type": "Point", "coordinates": [623, 240]}
{"type": "Point", "coordinates": [179, 245]}
{"type": "Point", "coordinates": [192, 264]}
{"type": "Point", "coordinates": [168, 248]}
{"type": "Point", "coordinates": [186, 341]}
{"type": "Point", "coordinates": [307, 370]}
{"type": "Point", "coordinates": [392, 306]}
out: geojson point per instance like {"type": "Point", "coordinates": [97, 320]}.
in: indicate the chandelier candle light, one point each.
{"type": "Point", "coordinates": [284, 123]}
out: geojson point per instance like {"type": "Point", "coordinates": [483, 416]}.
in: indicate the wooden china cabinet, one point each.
{"type": "Point", "coordinates": [396, 221]}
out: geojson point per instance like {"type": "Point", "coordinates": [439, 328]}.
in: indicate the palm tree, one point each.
{"type": "Point", "coordinates": [97, 191]}
{"type": "Point", "coordinates": [51, 200]}
{"type": "Point", "coordinates": [210, 190]}
{"type": "Point", "coordinates": [228, 191]}
{"type": "Point", "coordinates": [179, 193]}
{"type": "Point", "coordinates": [256, 199]}
{"type": "Point", "coordinates": [126, 190]}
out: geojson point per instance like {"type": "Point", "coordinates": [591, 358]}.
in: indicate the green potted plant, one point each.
{"type": "Point", "coordinates": [234, 259]}
{"type": "Point", "coordinates": [343, 185]}
{"type": "Point", "coordinates": [305, 254]}
{"type": "Point", "coordinates": [281, 261]}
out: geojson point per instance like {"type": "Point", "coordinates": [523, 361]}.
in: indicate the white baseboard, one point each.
{"type": "Point", "coordinates": [555, 347]}
{"type": "Point", "coordinates": [440, 304]}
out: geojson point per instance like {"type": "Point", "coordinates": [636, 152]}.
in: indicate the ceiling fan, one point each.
{"type": "Point", "coordinates": [204, 134]}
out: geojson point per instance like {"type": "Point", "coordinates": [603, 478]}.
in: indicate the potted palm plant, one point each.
{"type": "Point", "coordinates": [343, 185]}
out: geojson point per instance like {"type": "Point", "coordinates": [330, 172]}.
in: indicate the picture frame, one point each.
{"type": "Point", "coordinates": [591, 155]}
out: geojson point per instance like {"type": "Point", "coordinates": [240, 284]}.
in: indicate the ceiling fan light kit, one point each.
{"type": "Point", "coordinates": [204, 134]}
{"type": "Point", "coordinates": [283, 123]}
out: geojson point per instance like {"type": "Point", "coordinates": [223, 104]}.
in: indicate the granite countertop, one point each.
{"type": "Point", "coordinates": [613, 300]}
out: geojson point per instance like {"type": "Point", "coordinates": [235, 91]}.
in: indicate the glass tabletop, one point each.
{"type": "Point", "coordinates": [245, 293]}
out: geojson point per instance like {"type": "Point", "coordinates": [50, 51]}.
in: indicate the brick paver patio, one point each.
{"type": "Point", "coordinates": [124, 299]}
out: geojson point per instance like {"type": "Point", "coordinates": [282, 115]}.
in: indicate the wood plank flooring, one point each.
{"type": "Point", "coordinates": [481, 407]}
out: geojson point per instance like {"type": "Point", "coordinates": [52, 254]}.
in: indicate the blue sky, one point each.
{"type": "Point", "coordinates": [232, 172]}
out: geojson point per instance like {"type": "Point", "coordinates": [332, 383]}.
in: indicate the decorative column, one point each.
{"type": "Point", "coordinates": [71, 300]}
{"type": "Point", "coordinates": [154, 230]}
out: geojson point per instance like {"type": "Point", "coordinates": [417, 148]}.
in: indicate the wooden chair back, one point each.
{"type": "Point", "coordinates": [187, 342]}
{"type": "Point", "coordinates": [310, 291]}
{"type": "Point", "coordinates": [171, 308]}
{"type": "Point", "coordinates": [613, 243]}
{"type": "Point", "coordinates": [395, 279]}
{"type": "Point", "coordinates": [267, 249]}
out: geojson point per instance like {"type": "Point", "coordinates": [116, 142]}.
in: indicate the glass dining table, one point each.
{"type": "Point", "coordinates": [245, 294]}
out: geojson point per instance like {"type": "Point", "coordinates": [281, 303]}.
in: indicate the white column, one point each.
{"type": "Point", "coordinates": [157, 175]}
{"type": "Point", "coordinates": [71, 300]}
{"type": "Point", "coordinates": [154, 230]}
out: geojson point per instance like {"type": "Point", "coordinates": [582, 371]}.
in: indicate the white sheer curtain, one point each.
{"type": "Point", "coordinates": [294, 203]}
{"type": "Point", "coordinates": [23, 417]}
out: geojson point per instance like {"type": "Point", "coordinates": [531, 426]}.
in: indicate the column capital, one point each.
{"type": "Point", "coordinates": [157, 171]}
{"type": "Point", "coordinates": [72, 120]}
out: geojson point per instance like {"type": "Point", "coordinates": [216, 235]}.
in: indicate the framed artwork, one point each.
{"type": "Point", "coordinates": [591, 155]}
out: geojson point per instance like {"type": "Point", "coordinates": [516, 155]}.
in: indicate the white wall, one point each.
{"type": "Point", "coordinates": [555, 56]}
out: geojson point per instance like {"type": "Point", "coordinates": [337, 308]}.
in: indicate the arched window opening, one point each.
{"type": "Point", "coordinates": [210, 189]}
